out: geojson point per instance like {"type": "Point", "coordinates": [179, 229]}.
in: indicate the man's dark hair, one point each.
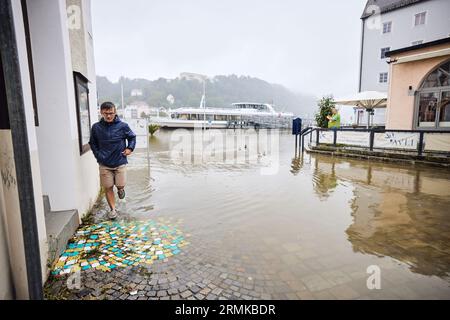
{"type": "Point", "coordinates": [107, 105]}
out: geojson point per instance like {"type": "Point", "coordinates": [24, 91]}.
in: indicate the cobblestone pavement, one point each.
{"type": "Point", "coordinates": [205, 271]}
{"type": "Point", "coordinates": [182, 276]}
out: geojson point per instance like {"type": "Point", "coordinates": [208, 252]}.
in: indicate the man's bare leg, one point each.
{"type": "Point", "coordinates": [110, 198]}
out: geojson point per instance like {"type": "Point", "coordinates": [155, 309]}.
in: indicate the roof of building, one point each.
{"type": "Point", "coordinates": [419, 46]}
{"type": "Point", "coordinates": [387, 5]}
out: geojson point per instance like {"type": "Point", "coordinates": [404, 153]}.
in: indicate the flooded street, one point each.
{"type": "Point", "coordinates": [309, 231]}
{"type": "Point", "coordinates": [270, 225]}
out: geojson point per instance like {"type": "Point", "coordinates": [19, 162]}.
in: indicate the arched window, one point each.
{"type": "Point", "coordinates": [433, 110]}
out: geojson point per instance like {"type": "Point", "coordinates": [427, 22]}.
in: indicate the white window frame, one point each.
{"type": "Point", "coordinates": [379, 77]}
{"type": "Point", "coordinates": [425, 19]}
{"type": "Point", "coordinates": [390, 27]}
{"type": "Point", "coordinates": [381, 50]}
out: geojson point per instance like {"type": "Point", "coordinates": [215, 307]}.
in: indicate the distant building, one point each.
{"type": "Point", "coordinates": [192, 76]}
{"type": "Point", "coordinates": [136, 93]}
{"type": "Point", "coordinates": [136, 110]}
{"type": "Point", "coordinates": [392, 24]}
{"type": "Point", "coordinates": [49, 174]}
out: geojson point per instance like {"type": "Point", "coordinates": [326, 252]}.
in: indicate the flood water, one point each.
{"type": "Point", "coordinates": [305, 226]}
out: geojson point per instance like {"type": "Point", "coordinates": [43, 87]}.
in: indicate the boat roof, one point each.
{"type": "Point", "coordinates": [227, 111]}
{"type": "Point", "coordinates": [255, 103]}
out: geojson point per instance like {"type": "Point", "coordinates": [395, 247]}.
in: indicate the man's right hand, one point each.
{"type": "Point", "coordinates": [126, 152]}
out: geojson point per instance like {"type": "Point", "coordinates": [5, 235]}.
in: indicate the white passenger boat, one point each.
{"type": "Point", "coordinates": [242, 114]}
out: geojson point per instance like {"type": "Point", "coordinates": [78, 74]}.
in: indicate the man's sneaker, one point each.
{"type": "Point", "coordinates": [112, 214]}
{"type": "Point", "coordinates": [121, 193]}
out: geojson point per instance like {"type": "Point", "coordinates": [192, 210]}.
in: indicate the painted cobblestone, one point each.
{"type": "Point", "coordinates": [109, 245]}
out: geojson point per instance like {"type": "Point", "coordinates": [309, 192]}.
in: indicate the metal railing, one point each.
{"type": "Point", "coordinates": [412, 141]}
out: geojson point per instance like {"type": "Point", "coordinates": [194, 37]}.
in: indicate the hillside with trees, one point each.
{"type": "Point", "coordinates": [221, 91]}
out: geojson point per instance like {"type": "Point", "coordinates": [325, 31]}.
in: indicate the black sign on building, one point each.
{"type": "Point", "coordinates": [4, 117]}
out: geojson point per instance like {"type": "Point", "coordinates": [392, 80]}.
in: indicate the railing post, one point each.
{"type": "Point", "coordinates": [303, 142]}
{"type": "Point", "coordinates": [372, 137]}
{"type": "Point", "coordinates": [420, 146]}
{"type": "Point", "coordinates": [317, 137]}
{"type": "Point", "coordinates": [334, 136]}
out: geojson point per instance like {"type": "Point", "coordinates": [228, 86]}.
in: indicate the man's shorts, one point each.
{"type": "Point", "coordinates": [113, 176]}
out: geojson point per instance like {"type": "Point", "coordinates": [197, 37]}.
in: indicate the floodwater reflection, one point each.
{"type": "Point", "coordinates": [324, 178]}
{"type": "Point", "coordinates": [312, 226]}
{"type": "Point", "coordinates": [402, 213]}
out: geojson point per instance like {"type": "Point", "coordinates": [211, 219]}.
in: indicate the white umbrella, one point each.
{"type": "Point", "coordinates": [368, 100]}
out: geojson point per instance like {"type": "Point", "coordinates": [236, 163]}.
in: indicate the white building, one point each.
{"type": "Point", "coordinates": [136, 93]}
{"type": "Point", "coordinates": [48, 104]}
{"type": "Point", "coordinates": [136, 110]}
{"type": "Point", "coordinates": [393, 24]}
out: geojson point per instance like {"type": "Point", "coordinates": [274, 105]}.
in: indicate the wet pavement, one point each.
{"type": "Point", "coordinates": [215, 229]}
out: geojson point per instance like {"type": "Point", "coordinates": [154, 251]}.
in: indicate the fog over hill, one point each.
{"type": "Point", "coordinates": [221, 91]}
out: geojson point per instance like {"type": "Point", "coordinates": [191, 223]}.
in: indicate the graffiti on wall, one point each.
{"type": "Point", "coordinates": [397, 140]}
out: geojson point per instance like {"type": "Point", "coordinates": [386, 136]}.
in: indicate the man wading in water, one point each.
{"type": "Point", "coordinates": [108, 142]}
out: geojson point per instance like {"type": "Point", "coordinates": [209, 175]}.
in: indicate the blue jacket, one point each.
{"type": "Point", "coordinates": [108, 141]}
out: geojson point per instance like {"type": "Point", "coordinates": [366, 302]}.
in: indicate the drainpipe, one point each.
{"type": "Point", "coordinates": [360, 66]}
{"type": "Point", "coordinates": [362, 53]}
{"type": "Point", "coordinates": [16, 112]}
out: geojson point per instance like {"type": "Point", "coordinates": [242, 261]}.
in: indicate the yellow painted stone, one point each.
{"type": "Point", "coordinates": [76, 268]}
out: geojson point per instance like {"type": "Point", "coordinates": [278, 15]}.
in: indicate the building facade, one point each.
{"type": "Point", "coordinates": [419, 90]}
{"type": "Point", "coordinates": [388, 25]}
{"type": "Point", "coordinates": [48, 104]}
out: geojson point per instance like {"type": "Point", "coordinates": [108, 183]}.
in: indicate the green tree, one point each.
{"type": "Point", "coordinates": [325, 105]}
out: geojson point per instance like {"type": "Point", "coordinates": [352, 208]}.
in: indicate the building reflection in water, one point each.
{"type": "Point", "coordinates": [398, 211]}
{"type": "Point", "coordinates": [298, 163]}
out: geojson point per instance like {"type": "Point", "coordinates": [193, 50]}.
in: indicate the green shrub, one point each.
{"type": "Point", "coordinates": [152, 128]}
{"type": "Point", "coordinates": [325, 105]}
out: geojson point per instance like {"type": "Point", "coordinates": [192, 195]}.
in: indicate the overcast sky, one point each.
{"type": "Point", "coordinates": [308, 46]}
